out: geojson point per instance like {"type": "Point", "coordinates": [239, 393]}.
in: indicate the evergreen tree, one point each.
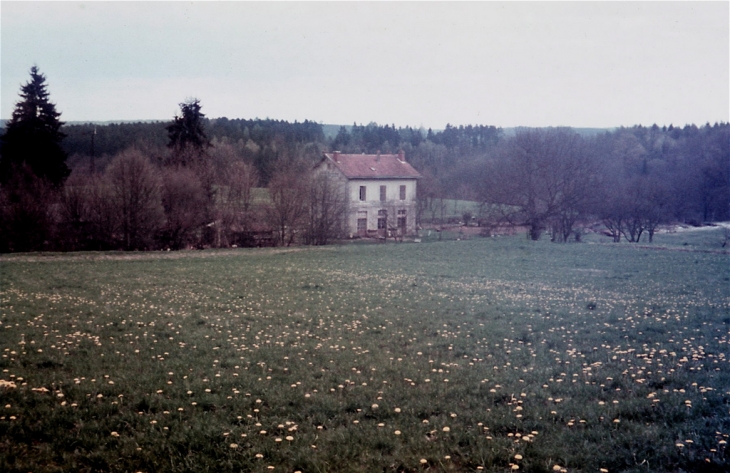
{"type": "Point", "coordinates": [32, 137]}
{"type": "Point", "coordinates": [342, 140]}
{"type": "Point", "coordinates": [188, 141]}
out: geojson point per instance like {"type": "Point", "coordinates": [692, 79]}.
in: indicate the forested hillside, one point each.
{"type": "Point", "coordinates": [197, 181]}
{"type": "Point", "coordinates": [631, 179]}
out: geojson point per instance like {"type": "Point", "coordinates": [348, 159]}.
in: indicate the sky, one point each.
{"type": "Point", "coordinates": [580, 64]}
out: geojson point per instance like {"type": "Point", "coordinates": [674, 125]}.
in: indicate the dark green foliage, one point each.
{"type": "Point", "coordinates": [188, 141]}
{"type": "Point", "coordinates": [669, 173]}
{"type": "Point", "coordinates": [266, 131]}
{"type": "Point", "coordinates": [372, 138]}
{"type": "Point", "coordinates": [187, 129]}
{"type": "Point", "coordinates": [477, 137]}
{"type": "Point", "coordinates": [111, 139]}
{"type": "Point", "coordinates": [32, 137]}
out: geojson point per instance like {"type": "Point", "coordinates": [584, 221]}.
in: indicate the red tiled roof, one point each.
{"type": "Point", "coordinates": [373, 166]}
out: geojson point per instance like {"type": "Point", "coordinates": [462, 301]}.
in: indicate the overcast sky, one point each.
{"type": "Point", "coordinates": [581, 64]}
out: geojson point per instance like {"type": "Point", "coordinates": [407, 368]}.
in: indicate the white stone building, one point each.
{"type": "Point", "coordinates": [380, 189]}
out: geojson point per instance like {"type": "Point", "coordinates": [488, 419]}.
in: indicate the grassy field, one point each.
{"type": "Point", "coordinates": [487, 354]}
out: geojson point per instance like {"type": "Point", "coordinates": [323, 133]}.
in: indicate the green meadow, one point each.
{"type": "Point", "coordinates": [487, 354]}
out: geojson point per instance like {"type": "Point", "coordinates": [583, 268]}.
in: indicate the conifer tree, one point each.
{"type": "Point", "coordinates": [32, 137]}
{"type": "Point", "coordinates": [188, 141]}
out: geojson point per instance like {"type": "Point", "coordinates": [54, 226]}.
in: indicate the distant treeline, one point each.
{"type": "Point", "coordinates": [550, 180]}
{"type": "Point", "coordinates": [268, 141]}
{"type": "Point", "coordinates": [197, 182]}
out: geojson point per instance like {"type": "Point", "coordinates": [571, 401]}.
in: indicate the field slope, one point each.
{"type": "Point", "coordinates": [488, 354]}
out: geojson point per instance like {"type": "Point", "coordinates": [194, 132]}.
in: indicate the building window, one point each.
{"type": "Point", "coordinates": [382, 219]}
{"type": "Point", "coordinates": [382, 193]}
{"type": "Point", "coordinates": [402, 192]}
{"type": "Point", "coordinates": [362, 223]}
{"type": "Point", "coordinates": [363, 195]}
{"type": "Point", "coordinates": [402, 220]}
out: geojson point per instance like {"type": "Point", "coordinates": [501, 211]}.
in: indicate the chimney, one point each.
{"type": "Point", "coordinates": [402, 156]}
{"type": "Point", "coordinates": [336, 156]}
{"type": "Point", "coordinates": [377, 158]}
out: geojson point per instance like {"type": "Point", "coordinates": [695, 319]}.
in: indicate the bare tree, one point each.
{"type": "Point", "coordinates": [26, 211]}
{"type": "Point", "coordinates": [184, 201]}
{"type": "Point", "coordinates": [135, 190]}
{"type": "Point", "coordinates": [103, 212]}
{"type": "Point", "coordinates": [288, 191]}
{"type": "Point", "coordinates": [538, 178]}
{"type": "Point", "coordinates": [577, 173]}
{"type": "Point", "coordinates": [431, 201]}
{"type": "Point", "coordinates": [656, 211]}
{"type": "Point", "coordinates": [634, 192]}
{"type": "Point", "coordinates": [424, 193]}
{"type": "Point", "coordinates": [235, 207]}
{"type": "Point", "coordinates": [75, 212]}
{"type": "Point", "coordinates": [327, 209]}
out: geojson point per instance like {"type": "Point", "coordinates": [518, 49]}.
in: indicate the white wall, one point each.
{"type": "Point", "coordinates": [373, 203]}
{"type": "Point", "coordinates": [392, 189]}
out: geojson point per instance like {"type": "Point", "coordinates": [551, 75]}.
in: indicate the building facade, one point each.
{"type": "Point", "coordinates": [380, 190]}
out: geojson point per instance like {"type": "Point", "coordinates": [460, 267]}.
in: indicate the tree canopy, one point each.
{"type": "Point", "coordinates": [32, 137]}
{"type": "Point", "coordinates": [187, 133]}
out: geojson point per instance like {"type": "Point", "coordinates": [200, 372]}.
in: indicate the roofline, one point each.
{"type": "Point", "coordinates": [330, 157]}
{"type": "Point", "coordinates": [375, 178]}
